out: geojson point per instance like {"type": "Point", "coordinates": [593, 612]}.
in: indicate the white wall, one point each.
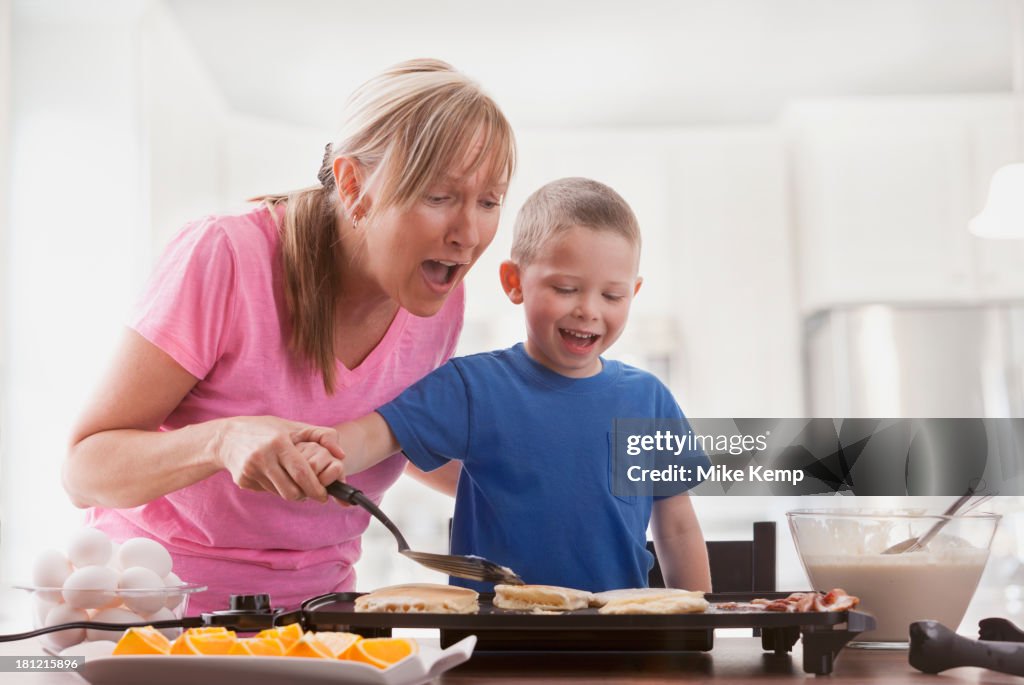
{"type": "Point", "coordinates": [76, 169]}
{"type": "Point", "coordinates": [112, 150]}
{"type": "Point", "coordinates": [734, 258]}
{"type": "Point", "coordinates": [5, 131]}
{"type": "Point", "coordinates": [5, 152]}
{"type": "Point", "coordinates": [266, 156]}
{"type": "Point", "coordinates": [883, 189]}
{"type": "Point", "coordinates": [183, 121]}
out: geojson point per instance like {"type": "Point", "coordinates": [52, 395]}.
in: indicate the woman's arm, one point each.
{"type": "Point", "coordinates": [680, 545]}
{"type": "Point", "coordinates": [118, 458]}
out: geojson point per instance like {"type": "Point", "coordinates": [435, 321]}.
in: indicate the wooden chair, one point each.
{"type": "Point", "coordinates": [736, 565]}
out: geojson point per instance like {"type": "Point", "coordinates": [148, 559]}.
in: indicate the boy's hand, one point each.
{"type": "Point", "coordinates": [260, 453]}
{"type": "Point", "coordinates": [325, 465]}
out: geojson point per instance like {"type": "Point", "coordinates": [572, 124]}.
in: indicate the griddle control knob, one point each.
{"type": "Point", "coordinates": [257, 603]}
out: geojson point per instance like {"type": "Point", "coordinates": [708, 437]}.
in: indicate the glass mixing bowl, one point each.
{"type": "Point", "coordinates": [843, 548]}
{"type": "Point", "coordinates": [51, 606]}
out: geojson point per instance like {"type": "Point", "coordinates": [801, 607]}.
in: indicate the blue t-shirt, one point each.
{"type": "Point", "coordinates": [535, 492]}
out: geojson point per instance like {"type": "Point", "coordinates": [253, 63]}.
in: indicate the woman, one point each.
{"type": "Point", "coordinates": [258, 329]}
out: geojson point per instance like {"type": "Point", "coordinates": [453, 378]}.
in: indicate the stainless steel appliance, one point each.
{"type": "Point", "coordinates": [915, 361]}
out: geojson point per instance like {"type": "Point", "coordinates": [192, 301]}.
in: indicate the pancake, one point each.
{"type": "Point", "coordinates": [602, 598]}
{"type": "Point", "coordinates": [540, 597]}
{"type": "Point", "coordinates": [419, 598]}
{"type": "Point", "coordinates": [650, 601]}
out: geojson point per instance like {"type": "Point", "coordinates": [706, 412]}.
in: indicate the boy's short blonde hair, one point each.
{"type": "Point", "coordinates": [558, 206]}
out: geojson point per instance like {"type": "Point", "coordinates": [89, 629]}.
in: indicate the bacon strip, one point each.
{"type": "Point", "coordinates": [834, 600]}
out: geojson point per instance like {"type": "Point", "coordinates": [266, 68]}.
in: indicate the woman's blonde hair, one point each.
{"type": "Point", "coordinates": [407, 128]}
{"type": "Point", "coordinates": [559, 205]}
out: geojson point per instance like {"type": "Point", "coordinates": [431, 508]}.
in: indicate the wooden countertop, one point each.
{"type": "Point", "coordinates": [733, 660]}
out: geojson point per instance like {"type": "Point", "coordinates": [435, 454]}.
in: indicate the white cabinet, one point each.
{"type": "Point", "coordinates": [733, 268]}
{"type": "Point", "coordinates": [883, 190]}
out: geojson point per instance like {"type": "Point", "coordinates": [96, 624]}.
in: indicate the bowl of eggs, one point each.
{"type": "Point", "coordinates": [96, 579]}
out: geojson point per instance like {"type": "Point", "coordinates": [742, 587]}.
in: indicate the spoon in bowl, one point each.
{"type": "Point", "coordinates": [914, 544]}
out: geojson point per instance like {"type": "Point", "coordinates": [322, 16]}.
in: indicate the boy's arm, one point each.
{"type": "Point", "coordinates": [679, 543]}
{"type": "Point", "coordinates": [366, 441]}
{"type": "Point", "coordinates": [444, 479]}
{"type": "Point", "coordinates": [412, 423]}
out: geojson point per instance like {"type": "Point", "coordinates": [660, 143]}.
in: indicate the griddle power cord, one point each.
{"type": "Point", "coordinates": [115, 627]}
{"type": "Point", "coordinates": [248, 613]}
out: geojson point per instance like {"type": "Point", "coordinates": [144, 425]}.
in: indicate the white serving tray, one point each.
{"type": "Point", "coordinates": [430, 662]}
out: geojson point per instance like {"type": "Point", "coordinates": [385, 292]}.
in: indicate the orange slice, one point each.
{"type": "Point", "coordinates": [183, 645]}
{"type": "Point", "coordinates": [210, 630]}
{"type": "Point", "coordinates": [288, 635]}
{"type": "Point", "coordinates": [338, 643]}
{"type": "Point", "coordinates": [257, 646]}
{"type": "Point", "coordinates": [204, 641]}
{"type": "Point", "coordinates": [325, 645]}
{"type": "Point", "coordinates": [382, 651]}
{"type": "Point", "coordinates": [146, 640]}
{"type": "Point", "coordinates": [310, 646]}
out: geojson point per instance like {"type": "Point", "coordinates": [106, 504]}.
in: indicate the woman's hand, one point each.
{"type": "Point", "coordinates": [287, 458]}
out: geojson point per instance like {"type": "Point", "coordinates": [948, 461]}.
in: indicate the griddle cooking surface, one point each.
{"type": "Point", "coordinates": [823, 633]}
{"type": "Point", "coordinates": [339, 609]}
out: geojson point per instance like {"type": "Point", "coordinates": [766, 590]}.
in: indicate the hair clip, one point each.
{"type": "Point", "coordinates": [326, 174]}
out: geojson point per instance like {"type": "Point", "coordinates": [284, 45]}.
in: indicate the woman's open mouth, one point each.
{"type": "Point", "coordinates": [578, 341]}
{"type": "Point", "coordinates": [440, 274]}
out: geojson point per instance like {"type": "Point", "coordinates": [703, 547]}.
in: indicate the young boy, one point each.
{"type": "Point", "coordinates": [532, 424]}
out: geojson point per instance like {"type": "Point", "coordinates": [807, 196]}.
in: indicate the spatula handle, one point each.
{"type": "Point", "coordinates": [347, 493]}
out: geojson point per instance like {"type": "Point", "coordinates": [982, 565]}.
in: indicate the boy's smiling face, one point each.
{"type": "Point", "coordinates": [577, 292]}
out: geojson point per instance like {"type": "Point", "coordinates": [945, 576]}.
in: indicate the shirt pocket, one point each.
{"type": "Point", "coordinates": [626, 499]}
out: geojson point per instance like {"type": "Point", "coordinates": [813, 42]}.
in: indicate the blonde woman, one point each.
{"type": "Point", "coordinates": [259, 330]}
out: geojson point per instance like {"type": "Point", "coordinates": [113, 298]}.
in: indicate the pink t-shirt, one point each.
{"type": "Point", "coordinates": [215, 304]}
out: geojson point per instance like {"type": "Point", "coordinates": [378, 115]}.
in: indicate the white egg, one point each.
{"type": "Point", "coordinates": [164, 614]}
{"type": "Point", "coordinates": [89, 547]}
{"type": "Point", "coordinates": [114, 602]}
{"type": "Point", "coordinates": [91, 650]}
{"type": "Point", "coordinates": [62, 613]}
{"type": "Point", "coordinates": [40, 608]}
{"type": "Point", "coordinates": [137, 579]}
{"type": "Point", "coordinates": [173, 599]}
{"type": "Point", "coordinates": [111, 616]}
{"type": "Point", "coordinates": [145, 552]}
{"type": "Point", "coordinates": [114, 562]}
{"type": "Point", "coordinates": [51, 569]}
{"type": "Point", "coordinates": [91, 587]}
